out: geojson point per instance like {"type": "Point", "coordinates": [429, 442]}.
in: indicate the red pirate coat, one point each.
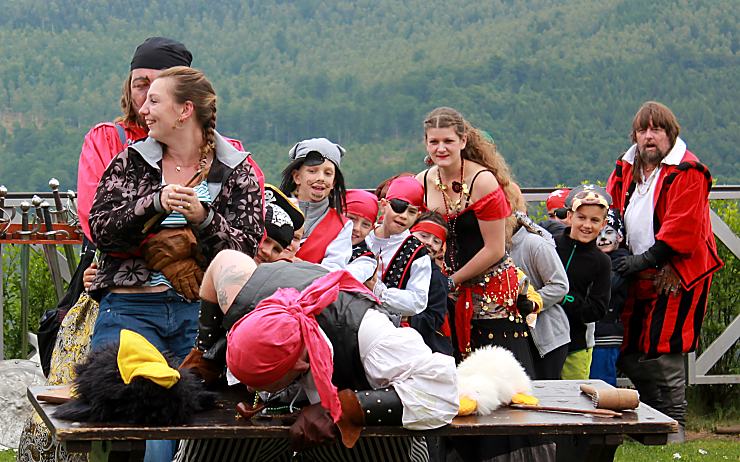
{"type": "Point", "coordinates": [681, 204]}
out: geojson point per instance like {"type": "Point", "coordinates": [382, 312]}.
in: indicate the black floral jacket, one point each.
{"type": "Point", "coordinates": [128, 196]}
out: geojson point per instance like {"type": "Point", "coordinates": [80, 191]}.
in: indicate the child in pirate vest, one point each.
{"type": "Point", "coordinates": [314, 178]}
{"type": "Point", "coordinates": [401, 280]}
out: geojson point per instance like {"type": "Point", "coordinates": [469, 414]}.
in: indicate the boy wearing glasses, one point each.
{"type": "Point", "coordinates": [589, 272]}
{"type": "Point", "coordinates": [401, 280]}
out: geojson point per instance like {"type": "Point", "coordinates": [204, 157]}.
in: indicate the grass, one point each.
{"type": "Point", "coordinates": [704, 450]}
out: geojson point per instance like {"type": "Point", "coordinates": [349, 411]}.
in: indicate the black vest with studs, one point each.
{"type": "Point", "coordinates": [398, 272]}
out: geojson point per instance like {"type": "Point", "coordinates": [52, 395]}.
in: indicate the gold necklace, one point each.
{"type": "Point", "coordinates": [459, 187]}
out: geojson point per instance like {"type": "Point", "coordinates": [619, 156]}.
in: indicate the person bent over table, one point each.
{"type": "Point", "coordinates": [330, 339]}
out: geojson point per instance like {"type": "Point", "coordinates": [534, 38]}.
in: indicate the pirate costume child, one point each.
{"type": "Point", "coordinates": [405, 266]}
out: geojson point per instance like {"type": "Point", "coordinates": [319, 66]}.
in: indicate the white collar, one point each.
{"type": "Point", "coordinates": [373, 238]}
{"type": "Point", "coordinates": [151, 150]}
{"type": "Point", "coordinates": [673, 158]}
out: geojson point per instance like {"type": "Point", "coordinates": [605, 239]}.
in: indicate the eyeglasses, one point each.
{"type": "Point", "coordinates": [400, 206]}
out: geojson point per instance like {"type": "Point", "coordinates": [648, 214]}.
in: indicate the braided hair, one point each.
{"type": "Point", "coordinates": [192, 85]}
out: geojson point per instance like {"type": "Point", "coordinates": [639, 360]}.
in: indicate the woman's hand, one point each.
{"type": "Point", "coordinates": [89, 275]}
{"type": "Point", "coordinates": [176, 198]}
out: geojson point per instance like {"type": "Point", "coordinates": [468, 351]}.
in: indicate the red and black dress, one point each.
{"type": "Point", "coordinates": [485, 306]}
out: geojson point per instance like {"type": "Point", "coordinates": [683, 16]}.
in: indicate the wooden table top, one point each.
{"type": "Point", "coordinates": [644, 422]}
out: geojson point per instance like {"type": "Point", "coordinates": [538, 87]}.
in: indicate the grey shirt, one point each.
{"type": "Point", "coordinates": [537, 257]}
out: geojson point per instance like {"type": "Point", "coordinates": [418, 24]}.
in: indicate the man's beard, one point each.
{"type": "Point", "coordinates": [652, 157]}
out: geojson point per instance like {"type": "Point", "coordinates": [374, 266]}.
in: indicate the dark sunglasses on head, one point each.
{"type": "Point", "coordinates": [560, 213]}
{"type": "Point", "coordinates": [400, 206]}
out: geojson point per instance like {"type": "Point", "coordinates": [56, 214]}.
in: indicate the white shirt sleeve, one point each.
{"type": "Point", "coordinates": [339, 251]}
{"type": "Point", "coordinates": [362, 268]}
{"type": "Point", "coordinates": [413, 299]}
{"type": "Point", "coordinates": [426, 382]}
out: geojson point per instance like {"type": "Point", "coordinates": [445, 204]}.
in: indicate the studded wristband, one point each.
{"type": "Point", "coordinates": [381, 407]}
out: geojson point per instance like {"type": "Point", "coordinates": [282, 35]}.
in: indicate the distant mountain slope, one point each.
{"type": "Point", "coordinates": [556, 83]}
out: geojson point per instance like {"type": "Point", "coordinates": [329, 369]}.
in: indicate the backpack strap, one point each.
{"type": "Point", "coordinates": [121, 134]}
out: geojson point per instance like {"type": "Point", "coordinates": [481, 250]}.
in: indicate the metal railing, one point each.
{"type": "Point", "coordinates": [698, 367]}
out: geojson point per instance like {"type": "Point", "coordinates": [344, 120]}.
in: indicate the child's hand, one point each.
{"type": "Point", "coordinates": [370, 283]}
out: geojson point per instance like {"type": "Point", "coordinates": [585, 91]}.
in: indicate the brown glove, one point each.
{"type": "Point", "coordinates": [209, 371]}
{"type": "Point", "coordinates": [185, 276]}
{"type": "Point", "coordinates": [313, 427]}
{"type": "Point", "coordinates": [352, 420]}
{"type": "Point", "coordinates": [168, 246]}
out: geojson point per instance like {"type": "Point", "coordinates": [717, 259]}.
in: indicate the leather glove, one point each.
{"type": "Point", "coordinates": [185, 276]}
{"type": "Point", "coordinates": [209, 371]}
{"type": "Point", "coordinates": [168, 246]}
{"type": "Point", "coordinates": [524, 305]}
{"type": "Point", "coordinates": [313, 427]}
{"type": "Point", "coordinates": [352, 420]}
{"type": "Point", "coordinates": [634, 263]}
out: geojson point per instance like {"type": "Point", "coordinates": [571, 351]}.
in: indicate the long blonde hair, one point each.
{"type": "Point", "coordinates": [477, 149]}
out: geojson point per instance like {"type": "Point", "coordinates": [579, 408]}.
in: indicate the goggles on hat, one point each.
{"type": "Point", "coordinates": [400, 206]}
{"type": "Point", "coordinates": [589, 197]}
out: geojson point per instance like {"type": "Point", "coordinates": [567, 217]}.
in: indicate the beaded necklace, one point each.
{"type": "Point", "coordinates": [461, 188]}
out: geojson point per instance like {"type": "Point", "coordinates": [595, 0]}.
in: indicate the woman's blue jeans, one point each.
{"type": "Point", "coordinates": [166, 319]}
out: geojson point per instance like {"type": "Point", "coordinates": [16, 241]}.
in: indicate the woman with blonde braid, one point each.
{"type": "Point", "coordinates": [164, 208]}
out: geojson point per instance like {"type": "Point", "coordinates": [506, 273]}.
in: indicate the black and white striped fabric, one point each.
{"type": "Point", "coordinates": [387, 449]}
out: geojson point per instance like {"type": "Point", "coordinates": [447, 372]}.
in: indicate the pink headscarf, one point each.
{"type": "Point", "coordinates": [363, 204]}
{"type": "Point", "coordinates": [265, 344]}
{"type": "Point", "coordinates": [408, 189]}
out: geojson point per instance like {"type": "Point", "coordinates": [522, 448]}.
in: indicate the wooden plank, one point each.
{"type": "Point", "coordinates": [224, 423]}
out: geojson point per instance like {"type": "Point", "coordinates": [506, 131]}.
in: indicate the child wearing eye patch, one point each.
{"type": "Point", "coordinates": [404, 269]}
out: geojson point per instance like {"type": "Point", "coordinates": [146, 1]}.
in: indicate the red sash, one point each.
{"type": "Point", "coordinates": [313, 249]}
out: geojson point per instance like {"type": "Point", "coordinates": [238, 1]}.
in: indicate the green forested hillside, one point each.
{"type": "Point", "coordinates": [555, 82]}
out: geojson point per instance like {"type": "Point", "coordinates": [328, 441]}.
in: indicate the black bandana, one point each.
{"type": "Point", "coordinates": [160, 53]}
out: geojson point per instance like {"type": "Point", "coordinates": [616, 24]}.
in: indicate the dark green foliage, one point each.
{"type": "Point", "coordinates": [41, 296]}
{"type": "Point", "coordinates": [555, 83]}
{"type": "Point", "coordinates": [724, 306]}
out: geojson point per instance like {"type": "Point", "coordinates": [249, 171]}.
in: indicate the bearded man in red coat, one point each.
{"type": "Point", "coordinates": [662, 191]}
